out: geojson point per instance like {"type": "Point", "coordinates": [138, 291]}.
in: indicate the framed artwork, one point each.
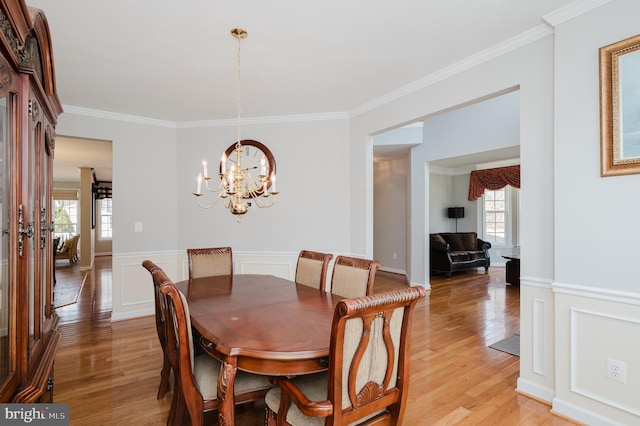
{"type": "Point", "coordinates": [620, 108]}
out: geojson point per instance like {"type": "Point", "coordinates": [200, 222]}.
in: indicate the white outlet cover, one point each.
{"type": "Point", "coordinates": [617, 370]}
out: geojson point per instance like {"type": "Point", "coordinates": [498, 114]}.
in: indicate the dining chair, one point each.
{"type": "Point", "coordinates": [353, 277]}
{"type": "Point", "coordinates": [368, 376]}
{"type": "Point", "coordinates": [311, 269]}
{"type": "Point", "coordinates": [160, 308]}
{"type": "Point", "coordinates": [210, 262]}
{"type": "Point", "coordinates": [196, 376]}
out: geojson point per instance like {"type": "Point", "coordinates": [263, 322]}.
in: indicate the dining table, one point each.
{"type": "Point", "coordinates": [260, 324]}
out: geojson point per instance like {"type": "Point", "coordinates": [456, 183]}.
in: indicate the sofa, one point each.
{"type": "Point", "coordinates": [455, 251]}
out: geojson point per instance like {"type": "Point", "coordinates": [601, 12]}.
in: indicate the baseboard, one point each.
{"type": "Point", "coordinates": [132, 315]}
{"type": "Point", "coordinates": [535, 391]}
{"type": "Point", "coordinates": [393, 271]}
{"type": "Point", "coordinates": [577, 413]}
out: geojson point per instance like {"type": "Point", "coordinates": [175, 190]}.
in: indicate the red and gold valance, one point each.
{"type": "Point", "coordinates": [493, 179]}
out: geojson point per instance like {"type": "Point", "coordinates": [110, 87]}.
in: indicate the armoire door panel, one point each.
{"type": "Point", "coordinates": [29, 107]}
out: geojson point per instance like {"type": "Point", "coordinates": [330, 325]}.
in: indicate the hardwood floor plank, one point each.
{"type": "Point", "coordinates": [109, 373]}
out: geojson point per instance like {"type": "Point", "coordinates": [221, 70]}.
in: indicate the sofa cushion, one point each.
{"type": "Point", "coordinates": [460, 256]}
{"type": "Point", "coordinates": [454, 240]}
{"type": "Point", "coordinates": [469, 241]}
{"type": "Point", "coordinates": [473, 255]}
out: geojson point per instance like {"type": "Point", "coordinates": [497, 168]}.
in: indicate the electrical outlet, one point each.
{"type": "Point", "coordinates": [617, 370]}
{"type": "Point", "coordinates": [395, 256]}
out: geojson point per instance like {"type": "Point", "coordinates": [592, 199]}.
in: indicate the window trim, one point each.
{"type": "Point", "coordinates": [510, 234]}
{"type": "Point", "coordinates": [99, 222]}
{"type": "Point", "coordinates": [507, 217]}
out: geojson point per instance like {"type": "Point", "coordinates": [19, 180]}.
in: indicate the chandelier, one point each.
{"type": "Point", "coordinates": [247, 169]}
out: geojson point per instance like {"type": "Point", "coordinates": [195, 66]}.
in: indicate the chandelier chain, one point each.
{"type": "Point", "coordinates": [238, 94]}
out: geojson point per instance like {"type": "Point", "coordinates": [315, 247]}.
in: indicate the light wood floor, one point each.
{"type": "Point", "coordinates": [109, 373]}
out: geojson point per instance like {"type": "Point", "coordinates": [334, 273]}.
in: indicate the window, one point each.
{"type": "Point", "coordinates": [65, 218]}
{"type": "Point", "coordinates": [104, 206]}
{"type": "Point", "coordinates": [495, 216]}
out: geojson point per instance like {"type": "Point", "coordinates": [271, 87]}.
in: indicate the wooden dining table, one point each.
{"type": "Point", "coordinates": [261, 324]}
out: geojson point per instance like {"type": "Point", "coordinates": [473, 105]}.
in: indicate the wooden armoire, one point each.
{"type": "Point", "coordinates": [29, 107]}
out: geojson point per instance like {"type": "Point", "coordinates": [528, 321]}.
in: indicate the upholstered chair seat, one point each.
{"type": "Point", "coordinates": [206, 370]}
{"type": "Point", "coordinates": [196, 377]}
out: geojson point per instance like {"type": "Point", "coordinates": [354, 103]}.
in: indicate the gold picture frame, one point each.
{"type": "Point", "coordinates": [620, 108]}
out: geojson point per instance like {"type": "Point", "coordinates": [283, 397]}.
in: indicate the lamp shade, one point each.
{"type": "Point", "coordinates": [455, 212]}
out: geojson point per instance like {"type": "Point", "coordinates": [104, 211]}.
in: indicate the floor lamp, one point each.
{"type": "Point", "coordinates": [456, 213]}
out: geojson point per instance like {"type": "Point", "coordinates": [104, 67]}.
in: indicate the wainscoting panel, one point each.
{"type": "Point", "coordinates": [132, 287]}
{"type": "Point", "coordinates": [537, 361]}
{"type": "Point", "coordinates": [595, 326]}
{"type": "Point", "coordinates": [592, 346]}
{"type": "Point", "coordinates": [282, 270]}
{"type": "Point", "coordinates": [539, 336]}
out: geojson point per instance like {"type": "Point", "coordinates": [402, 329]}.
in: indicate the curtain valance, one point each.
{"type": "Point", "coordinates": [493, 179]}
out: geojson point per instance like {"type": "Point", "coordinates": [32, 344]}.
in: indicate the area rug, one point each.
{"type": "Point", "coordinates": [510, 345]}
{"type": "Point", "coordinates": [67, 289]}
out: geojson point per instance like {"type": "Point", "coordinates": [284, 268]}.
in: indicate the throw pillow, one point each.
{"type": "Point", "coordinates": [470, 241]}
{"type": "Point", "coordinates": [455, 241]}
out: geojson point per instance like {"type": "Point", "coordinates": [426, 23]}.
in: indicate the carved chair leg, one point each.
{"type": "Point", "coordinates": [270, 417]}
{"type": "Point", "coordinates": [171, 419]}
{"type": "Point", "coordinates": [182, 411]}
{"type": "Point", "coordinates": [164, 379]}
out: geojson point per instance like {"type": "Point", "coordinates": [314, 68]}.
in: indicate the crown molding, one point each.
{"type": "Point", "coordinates": [264, 120]}
{"type": "Point", "coordinates": [552, 19]}
{"type": "Point", "coordinates": [87, 112]}
{"type": "Point", "coordinates": [572, 10]}
{"type": "Point", "coordinates": [500, 49]}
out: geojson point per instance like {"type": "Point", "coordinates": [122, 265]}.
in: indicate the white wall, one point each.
{"type": "Point", "coordinates": [529, 68]}
{"type": "Point", "coordinates": [440, 198]}
{"type": "Point", "coordinates": [576, 309]}
{"type": "Point", "coordinates": [154, 170]}
{"type": "Point", "coordinates": [597, 299]}
{"type": "Point", "coordinates": [491, 124]}
{"type": "Point", "coordinates": [312, 161]}
{"type": "Point", "coordinates": [389, 211]}
{"type": "Point", "coordinates": [460, 196]}
{"type": "Point", "coordinates": [144, 190]}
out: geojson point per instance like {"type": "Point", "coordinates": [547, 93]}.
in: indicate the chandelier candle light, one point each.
{"type": "Point", "coordinates": [252, 174]}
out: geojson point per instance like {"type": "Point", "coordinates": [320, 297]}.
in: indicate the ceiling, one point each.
{"type": "Point", "coordinates": [71, 154]}
{"type": "Point", "coordinates": [176, 60]}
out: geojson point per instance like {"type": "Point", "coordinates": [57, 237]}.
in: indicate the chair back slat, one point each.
{"type": "Point", "coordinates": [210, 262]}
{"type": "Point", "coordinates": [369, 365]}
{"type": "Point", "coordinates": [311, 269]}
{"type": "Point", "coordinates": [353, 277]}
